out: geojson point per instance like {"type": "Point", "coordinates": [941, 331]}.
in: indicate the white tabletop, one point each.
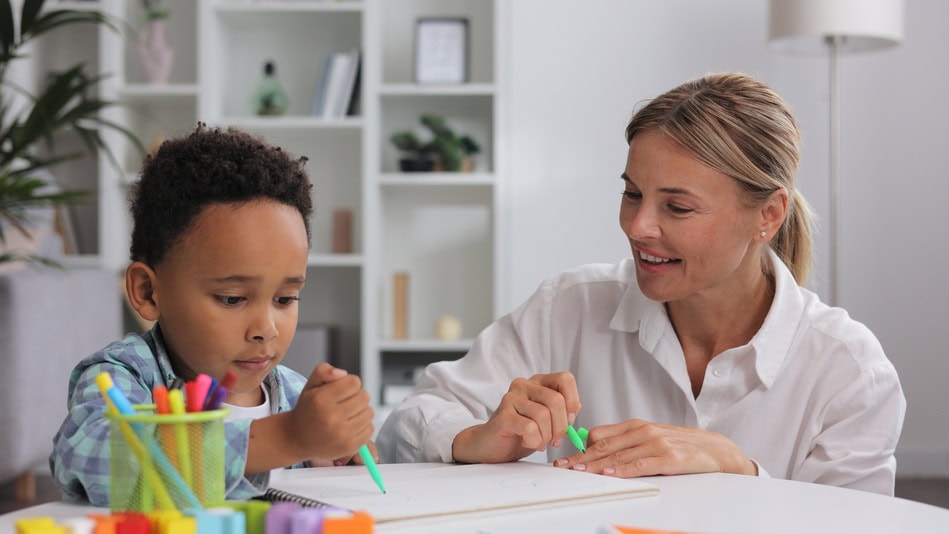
{"type": "Point", "coordinates": [710, 503]}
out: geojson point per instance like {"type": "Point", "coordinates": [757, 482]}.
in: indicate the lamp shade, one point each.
{"type": "Point", "coordinates": [804, 25]}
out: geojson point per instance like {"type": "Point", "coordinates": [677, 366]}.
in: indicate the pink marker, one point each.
{"type": "Point", "coordinates": [198, 393]}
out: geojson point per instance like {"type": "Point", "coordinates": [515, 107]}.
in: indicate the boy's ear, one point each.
{"type": "Point", "coordinates": [140, 281]}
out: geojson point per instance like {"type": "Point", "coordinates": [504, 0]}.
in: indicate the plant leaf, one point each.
{"type": "Point", "coordinates": [6, 28]}
{"type": "Point", "coordinates": [31, 8]}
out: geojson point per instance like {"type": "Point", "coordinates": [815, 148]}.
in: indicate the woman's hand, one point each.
{"type": "Point", "coordinates": [638, 448]}
{"type": "Point", "coordinates": [533, 414]}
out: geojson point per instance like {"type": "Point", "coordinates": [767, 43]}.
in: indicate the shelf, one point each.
{"type": "Point", "coordinates": [425, 345]}
{"type": "Point", "coordinates": [294, 122]}
{"type": "Point", "coordinates": [87, 5]}
{"type": "Point", "coordinates": [81, 261]}
{"type": "Point", "coordinates": [466, 89]}
{"type": "Point", "coordinates": [427, 179]}
{"type": "Point", "coordinates": [296, 6]}
{"type": "Point", "coordinates": [334, 260]}
{"type": "Point", "coordinates": [144, 91]}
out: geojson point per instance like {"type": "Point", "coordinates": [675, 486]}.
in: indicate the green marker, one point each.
{"type": "Point", "coordinates": [575, 438]}
{"type": "Point", "coordinates": [371, 466]}
{"type": "Point", "coordinates": [583, 433]}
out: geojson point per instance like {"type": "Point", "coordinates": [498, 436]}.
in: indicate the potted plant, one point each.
{"type": "Point", "coordinates": [28, 122]}
{"type": "Point", "coordinates": [416, 157]}
{"type": "Point", "coordinates": [444, 151]}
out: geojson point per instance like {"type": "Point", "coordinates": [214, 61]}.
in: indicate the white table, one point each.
{"type": "Point", "coordinates": [710, 503]}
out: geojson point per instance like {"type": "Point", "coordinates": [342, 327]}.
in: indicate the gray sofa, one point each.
{"type": "Point", "coordinates": [49, 320]}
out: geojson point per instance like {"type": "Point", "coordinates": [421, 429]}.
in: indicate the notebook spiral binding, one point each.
{"type": "Point", "coordinates": [275, 495]}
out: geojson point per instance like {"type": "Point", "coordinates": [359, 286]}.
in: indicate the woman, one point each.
{"type": "Point", "coordinates": [715, 359]}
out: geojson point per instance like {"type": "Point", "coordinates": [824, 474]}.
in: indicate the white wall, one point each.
{"type": "Point", "coordinates": [574, 73]}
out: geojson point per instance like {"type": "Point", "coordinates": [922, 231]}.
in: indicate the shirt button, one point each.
{"type": "Point", "coordinates": [717, 372]}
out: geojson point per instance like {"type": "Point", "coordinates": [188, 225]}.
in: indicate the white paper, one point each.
{"type": "Point", "coordinates": [425, 490]}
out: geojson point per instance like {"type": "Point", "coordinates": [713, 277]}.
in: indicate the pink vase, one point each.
{"type": "Point", "coordinates": [155, 51]}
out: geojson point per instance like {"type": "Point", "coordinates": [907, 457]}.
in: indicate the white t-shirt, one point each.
{"type": "Point", "coordinates": [812, 396]}
{"type": "Point", "coordinates": [236, 413]}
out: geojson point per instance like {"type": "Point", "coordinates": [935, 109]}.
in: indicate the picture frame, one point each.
{"type": "Point", "coordinates": [441, 50]}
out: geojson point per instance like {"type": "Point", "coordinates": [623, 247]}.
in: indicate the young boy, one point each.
{"type": "Point", "coordinates": [219, 252]}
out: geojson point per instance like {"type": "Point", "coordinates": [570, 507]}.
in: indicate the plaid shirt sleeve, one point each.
{"type": "Point", "coordinates": [80, 458]}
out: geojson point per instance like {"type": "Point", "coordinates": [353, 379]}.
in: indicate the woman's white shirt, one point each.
{"type": "Point", "coordinates": [812, 396]}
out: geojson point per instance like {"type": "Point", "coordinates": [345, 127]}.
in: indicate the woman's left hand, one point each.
{"type": "Point", "coordinates": [638, 448]}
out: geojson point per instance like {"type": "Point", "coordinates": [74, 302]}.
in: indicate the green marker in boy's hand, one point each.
{"type": "Point", "coordinates": [370, 463]}
{"type": "Point", "coordinates": [364, 453]}
{"type": "Point", "coordinates": [575, 438]}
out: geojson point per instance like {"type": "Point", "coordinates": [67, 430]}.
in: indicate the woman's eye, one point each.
{"type": "Point", "coordinates": [228, 300]}
{"type": "Point", "coordinates": [679, 209]}
{"type": "Point", "coordinates": [632, 195]}
{"type": "Point", "coordinates": [286, 301]}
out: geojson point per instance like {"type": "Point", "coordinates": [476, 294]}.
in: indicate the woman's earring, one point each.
{"type": "Point", "coordinates": [764, 233]}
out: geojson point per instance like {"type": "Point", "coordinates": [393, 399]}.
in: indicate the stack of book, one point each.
{"type": "Point", "coordinates": [338, 88]}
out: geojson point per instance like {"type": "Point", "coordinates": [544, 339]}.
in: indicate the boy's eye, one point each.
{"type": "Point", "coordinates": [286, 301]}
{"type": "Point", "coordinates": [228, 300]}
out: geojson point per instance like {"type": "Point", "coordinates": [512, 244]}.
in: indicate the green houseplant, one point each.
{"type": "Point", "coordinates": [444, 150]}
{"type": "Point", "coordinates": [29, 120]}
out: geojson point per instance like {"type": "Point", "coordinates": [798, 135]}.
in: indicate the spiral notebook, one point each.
{"type": "Point", "coordinates": [430, 490]}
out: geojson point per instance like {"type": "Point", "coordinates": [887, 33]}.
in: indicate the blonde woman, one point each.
{"type": "Point", "coordinates": [703, 351]}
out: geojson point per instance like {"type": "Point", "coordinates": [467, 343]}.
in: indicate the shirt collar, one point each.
{"type": "Point", "coordinates": [770, 344]}
{"type": "Point", "coordinates": [773, 340]}
{"type": "Point", "coordinates": [157, 343]}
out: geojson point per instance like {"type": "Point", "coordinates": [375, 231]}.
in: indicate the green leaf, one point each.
{"type": "Point", "coordinates": [31, 8]}
{"type": "Point", "coordinates": [6, 27]}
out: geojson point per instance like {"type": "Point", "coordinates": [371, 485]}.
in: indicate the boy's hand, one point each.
{"type": "Point", "coordinates": [352, 459]}
{"type": "Point", "coordinates": [332, 418]}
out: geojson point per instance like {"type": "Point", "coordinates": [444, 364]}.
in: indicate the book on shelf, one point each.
{"type": "Point", "coordinates": [318, 96]}
{"type": "Point", "coordinates": [336, 92]}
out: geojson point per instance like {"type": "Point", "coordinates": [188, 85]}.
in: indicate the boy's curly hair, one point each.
{"type": "Point", "coordinates": [209, 166]}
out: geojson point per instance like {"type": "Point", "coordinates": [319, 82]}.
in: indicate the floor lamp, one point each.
{"type": "Point", "coordinates": [834, 26]}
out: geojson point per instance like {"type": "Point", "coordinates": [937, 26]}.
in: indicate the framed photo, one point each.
{"type": "Point", "coordinates": [441, 50]}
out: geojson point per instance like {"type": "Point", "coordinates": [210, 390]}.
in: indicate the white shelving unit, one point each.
{"type": "Point", "coordinates": [440, 227]}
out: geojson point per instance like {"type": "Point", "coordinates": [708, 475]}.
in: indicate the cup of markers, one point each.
{"type": "Point", "coordinates": [168, 455]}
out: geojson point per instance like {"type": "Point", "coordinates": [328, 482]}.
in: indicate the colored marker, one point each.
{"type": "Point", "coordinates": [371, 466]}
{"type": "Point", "coordinates": [160, 396]}
{"type": "Point", "coordinates": [229, 380]}
{"type": "Point", "coordinates": [177, 404]}
{"type": "Point", "coordinates": [583, 433]}
{"type": "Point", "coordinates": [211, 389]}
{"type": "Point", "coordinates": [198, 392]}
{"type": "Point", "coordinates": [124, 407]}
{"type": "Point", "coordinates": [575, 438]}
{"type": "Point", "coordinates": [216, 399]}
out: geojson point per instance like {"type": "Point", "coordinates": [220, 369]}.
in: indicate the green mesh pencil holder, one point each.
{"type": "Point", "coordinates": [165, 462]}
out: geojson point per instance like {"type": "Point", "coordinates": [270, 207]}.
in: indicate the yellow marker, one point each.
{"type": "Point", "coordinates": [177, 404]}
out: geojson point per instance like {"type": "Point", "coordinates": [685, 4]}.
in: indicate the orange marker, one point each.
{"type": "Point", "coordinates": [160, 396]}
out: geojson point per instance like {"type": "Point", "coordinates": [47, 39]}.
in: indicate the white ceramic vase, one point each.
{"type": "Point", "coordinates": [156, 52]}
